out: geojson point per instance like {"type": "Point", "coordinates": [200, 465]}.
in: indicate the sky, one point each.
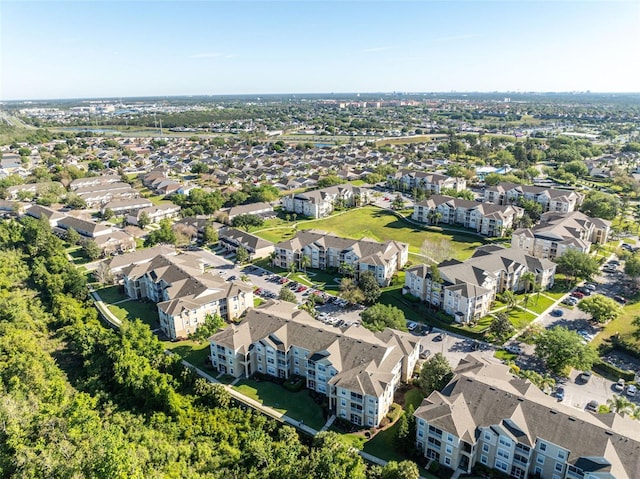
{"type": "Point", "coordinates": [88, 49]}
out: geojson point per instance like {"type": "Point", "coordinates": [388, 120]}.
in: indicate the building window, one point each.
{"type": "Point", "coordinates": [540, 460]}
{"type": "Point", "coordinates": [485, 447]}
{"type": "Point", "coordinates": [447, 461]}
{"type": "Point", "coordinates": [503, 466]}
{"type": "Point", "coordinates": [543, 447]}
{"type": "Point", "coordinates": [449, 438]}
{"type": "Point", "coordinates": [487, 436]}
{"type": "Point", "coordinates": [483, 459]}
{"type": "Point", "coordinates": [558, 467]}
{"type": "Point", "coordinates": [449, 449]}
{"type": "Point", "coordinates": [562, 455]}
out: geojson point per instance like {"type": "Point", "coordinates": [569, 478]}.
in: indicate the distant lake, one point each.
{"type": "Point", "coordinates": [92, 130]}
{"type": "Point", "coordinates": [323, 145]}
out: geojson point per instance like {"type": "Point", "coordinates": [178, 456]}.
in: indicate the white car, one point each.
{"type": "Point", "coordinates": [619, 386]}
{"type": "Point", "coordinates": [411, 326]}
{"type": "Point", "coordinates": [631, 390]}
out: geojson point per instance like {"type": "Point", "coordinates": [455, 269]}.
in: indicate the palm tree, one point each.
{"type": "Point", "coordinates": [547, 383]}
{"type": "Point", "coordinates": [635, 413]}
{"type": "Point", "coordinates": [272, 257]}
{"type": "Point", "coordinates": [529, 280]}
{"type": "Point", "coordinates": [510, 299]}
{"type": "Point", "coordinates": [304, 262]}
{"type": "Point", "coordinates": [621, 405]}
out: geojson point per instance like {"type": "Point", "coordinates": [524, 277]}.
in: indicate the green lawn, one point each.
{"type": "Point", "coordinates": [379, 225]}
{"type": "Point", "coordinates": [191, 351]}
{"type": "Point", "coordinates": [298, 405]}
{"type": "Point", "coordinates": [621, 326]}
{"type": "Point", "coordinates": [146, 312]}
{"type": "Point", "coordinates": [111, 294]}
{"type": "Point", "coordinates": [537, 304]}
{"type": "Point", "coordinates": [520, 319]}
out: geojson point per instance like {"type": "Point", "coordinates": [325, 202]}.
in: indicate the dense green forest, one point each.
{"type": "Point", "coordinates": [81, 400]}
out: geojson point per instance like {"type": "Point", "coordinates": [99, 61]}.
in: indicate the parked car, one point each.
{"type": "Point", "coordinates": [619, 386]}
{"type": "Point", "coordinates": [620, 299]}
{"type": "Point", "coordinates": [557, 313]}
{"type": "Point", "coordinates": [411, 326]}
{"type": "Point", "coordinates": [439, 337]}
{"type": "Point", "coordinates": [577, 294]}
{"type": "Point", "coordinates": [585, 291]}
{"type": "Point", "coordinates": [593, 405]}
{"type": "Point", "coordinates": [585, 376]}
{"type": "Point", "coordinates": [631, 390]}
{"type": "Point", "coordinates": [570, 301]}
{"type": "Point", "coordinates": [560, 393]}
{"type": "Point", "coordinates": [590, 286]}
{"type": "Point", "coordinates": [424, 353]}
{"type": "Point", "coordinates": [514, 349]}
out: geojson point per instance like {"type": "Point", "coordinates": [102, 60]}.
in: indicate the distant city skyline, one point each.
{"type": "Point", "coordinates": [145, 48]}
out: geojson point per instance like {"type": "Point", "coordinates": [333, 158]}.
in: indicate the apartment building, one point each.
{"type": "Point", "coordinates": [356, 369]}
{"type": "Point", "coordinates": [93, 181]}
{"type": "Point", "coordinates": [326, 251]}
{"type": "Point", "coordinates": [485, 218]}
{"type": "Point", "coordinates": [154, 214]}
{"type": "Point", "coordinates": [184, 293]}
{"type": "Point", "coordinates": [558, 201]}
{"type": "Point", "coordinates": [100, 195]}
{"type": "Point", "coordinates": [434, 183]}
{"type": "Point", "coordinates": [465, 289]}
{"type": "Point", "coordinates": [559, 232]}
{"type": "Point", "coordinates": [231, 239]}
{"type": "Point", "coordinates": [488, 416]}
{"type": "Point", "coordinates": [320, 203]}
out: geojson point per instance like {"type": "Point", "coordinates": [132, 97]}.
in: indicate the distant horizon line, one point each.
{"type": "Point", "coordinates": [396, 94]}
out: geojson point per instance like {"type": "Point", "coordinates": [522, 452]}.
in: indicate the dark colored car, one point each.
{"type": "Point", "coordinates": [560, 393]}
{"type": "Point", "coordinates": [620, 299]}
{"type": "Point", "coordinates": [557, 313]}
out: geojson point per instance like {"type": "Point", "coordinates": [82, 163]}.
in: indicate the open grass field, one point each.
{"type": "Point", "coordinates": [621, 326]}
{"type": "Point", "coordinates": [379, 225]}
{"type": "Point", "coordinates": [536, 303]}
{"type": "Point", "coordinates": [111, 294]}
{"type": "Point", "coordinates": [520, 319]}
{"type": "Point", "coordinates": [131, 310]}
{"type": "Point", "coordinates": [193, 352]}
{"type": "Point", "coordinates": [297, 405]}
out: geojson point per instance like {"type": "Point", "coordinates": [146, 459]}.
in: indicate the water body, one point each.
{"type": "Point", "coordinates": [92, 130]}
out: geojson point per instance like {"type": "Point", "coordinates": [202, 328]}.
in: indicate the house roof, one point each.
{"type": "Point", "coordinates": [484, 394]}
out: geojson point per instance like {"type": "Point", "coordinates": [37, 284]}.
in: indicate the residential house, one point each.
{"type": "Point", "coordinates": [465, 289]}
{"type": "Point", "coordinates": [231, 239]}
{"type": "Point", "coordinates": [559, 232]}
{"type": "Point", "coordinates": [99, 195]}
{"type": "Point", "coordinates": [155, 214]}
{"type": "Point", "coordinates": [356, 369]}
{"type": "Point", "coordinates": [320, 203]}
{"type": "Point", "coordinates": [91, 181]}
{"type": "Point", "coordinates": [30, 190]}
{"type": "Point", "coordinates": [407, 180]}
{"type": "Point", "coordinates": [262, 209]}
{"type": "Point", "coordinates": [559, 201]}
{"type": "Point", "coordinates": [326, 251]}
{"type": "Point", "coordinates": [127, 206]}
{"type": "Point", "coordinates": [184, 293]}
{"type": "Point", "coordinates": [485, 218]}
{"type": "Point", "coordinates": [488, 416]}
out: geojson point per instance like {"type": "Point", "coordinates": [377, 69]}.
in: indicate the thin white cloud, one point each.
{"type": "Point", "coordinates": [376, 49]}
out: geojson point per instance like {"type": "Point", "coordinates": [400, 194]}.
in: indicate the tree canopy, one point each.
{"type": "Point", "coordinates": [560, 347]}
{"type": "Point", "coordinates": [380, 316]}
{"type": "Point", "coordinates": [577, 264]}
{"type": "Point", "coordinates": [436, 372]}
{"type": "Point", "coordinates": [601, 308]}
{"type": "Point", "coordinates": [599, 204]}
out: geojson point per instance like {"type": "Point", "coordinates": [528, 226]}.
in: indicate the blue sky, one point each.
{"type": "Point", "coordinates": [67, 49]}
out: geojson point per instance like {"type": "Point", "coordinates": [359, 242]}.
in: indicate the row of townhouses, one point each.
{"type": "Point", "coordinates": [184, 293]}
{"type": "Point", "coordinates": [320, 203]}
{"type": "Point", "coordinates": [232, 238]}
{"type": "Point", "coordinates": [108, 238]}
{"type": "Point", "coordinates": [559, 201]}
{"type": "Point", "coordinates": [559, 232]}
{"type": "Point", "coordinates": [356, 369]}
{"type": "Point", "coordinates": [325, 251]}
{"type": "Point", "coordinates": [465, 289]}
{"type": "Point", "coordinates": [430, 182]}
{"type": "Point", "coordinates": [488, 416]}
{"type": "Point", "coordinates": [485, 218]}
